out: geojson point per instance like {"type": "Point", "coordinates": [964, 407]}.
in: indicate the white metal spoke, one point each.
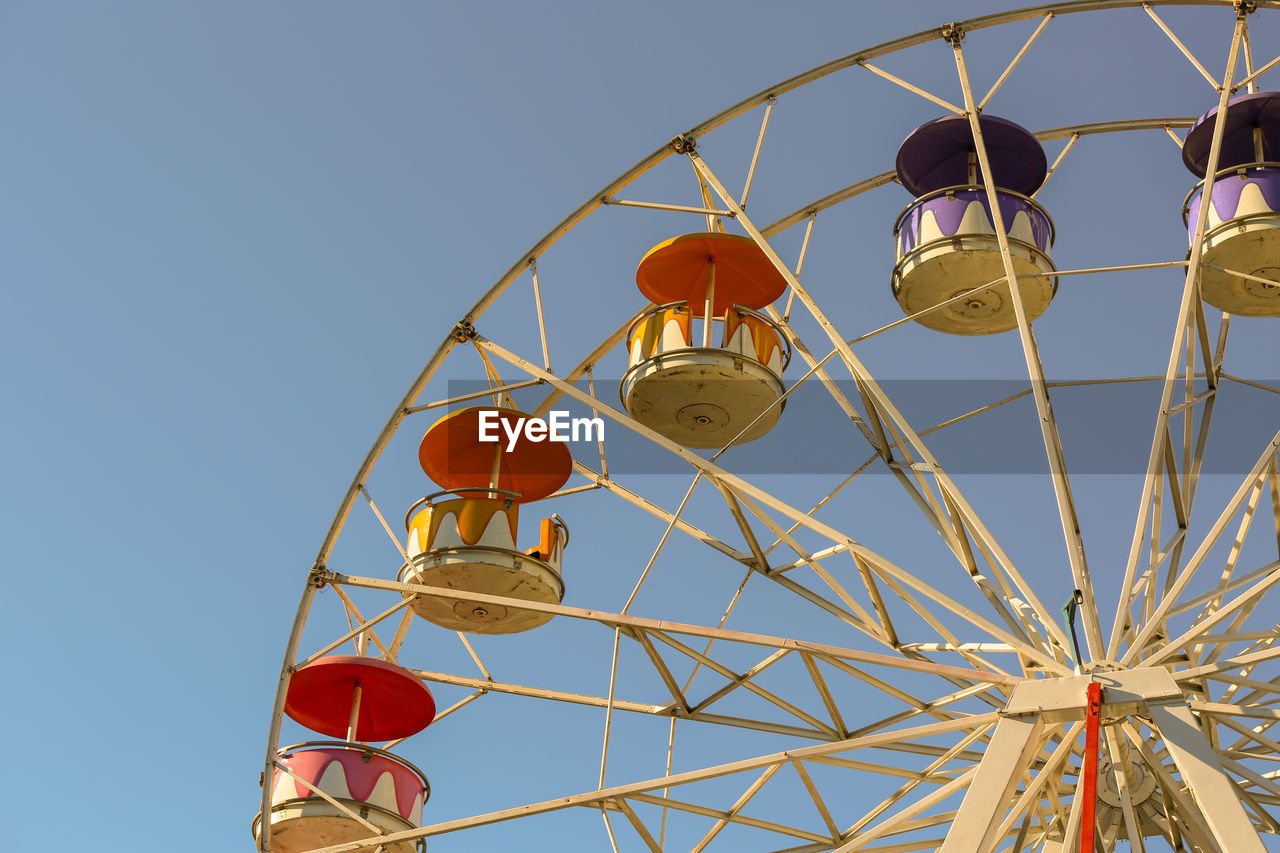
{"type": "Point", "coordinates": [755, 158]}
{"type": "Point", "coordinates": [475, 395]}
{"type": "Point", "coordinates": [739, 804]}
{"type": "Point", "coordinates": [919, 778]}
{"type": "Point", "coordinates": [615, 620]}
{"type": "Point", "coordinates": [1181, 47]}
{"type": "Point", "coordinates": [1046, 774]}
{"type": "Point", "coordinates": [638, 825]}
{"type": "Point", "coordinates": [898, 821]}
{"type": "Point", "coordinates": [656, 205]}
{"type": "Point", "coordinates": [658, 512]}
{"type": "Point", "coordinates": [361, 628]}
{"type": "Point", "coordinates": [1013, 63]}
{"type": "Point", "coordinates": [1189, 296]}
{"type": "Point", "coordinates": [1243, 600]}
{"type": "Point", "coordinates": [804, 253]}
{"type": "Point", "coordinates": [1197, 559]}
{"type": "Point", "coordinates": [910, 87]}
{"type": "Point", "coordinates": [1249, 81]}
{"type": "Point", "coordinates": [395, 540]}
{"type": "Point", "coordinates": [365, 631]}
{"type": "Point", "coordinates": [636, 791]}
{"type": "Point", "coordinates": [542, 322]}
{"type": "Point", "coordinates": [1053, 167]}
{"type": "Point", "coordinates": [1048, 425]}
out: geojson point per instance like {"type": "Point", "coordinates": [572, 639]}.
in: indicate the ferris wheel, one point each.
{"type": "Point", "coordinates": [845, 630]}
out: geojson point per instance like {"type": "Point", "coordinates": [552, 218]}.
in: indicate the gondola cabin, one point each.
{"type": "Point", "coordinates": [465, 536]}
{"type": "Point", "coordinates": [704, 365]}
{"type": "Point", "coordinates": [326, 792]}
{"type": "Point", "coordinates": [948, 253]}
{"type": "Point", "coordinates": [1240, 257]}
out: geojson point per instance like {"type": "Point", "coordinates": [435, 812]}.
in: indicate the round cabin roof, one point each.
{"type": "Point", "coordinates": [452, 454]}
{"type": "Point", "coordinates": [1244, 112]}
{"type": "Point", "coordinates": [676, 270]}
{"type": "Point", "coordinates": [936, 155]}
{"type": "Point", "coordinates": [393, 702]}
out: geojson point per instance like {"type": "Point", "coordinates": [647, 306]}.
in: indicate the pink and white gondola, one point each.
{"type": "Point", "coordinates": [331, 792]}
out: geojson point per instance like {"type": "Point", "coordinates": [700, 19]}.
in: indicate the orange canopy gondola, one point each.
{"type": "Point", "coordinates": [453, 455]}
{"type": "Point", "coordinates": [393, 702]}
{"type": "Point", "coordinates": [676, 270]}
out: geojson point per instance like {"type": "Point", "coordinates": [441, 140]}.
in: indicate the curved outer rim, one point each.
{"type": "Point", "coordinates": [454, 336]}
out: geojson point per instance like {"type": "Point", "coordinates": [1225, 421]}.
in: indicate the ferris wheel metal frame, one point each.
{"type": "Point", "coordinates": [1008, 761]}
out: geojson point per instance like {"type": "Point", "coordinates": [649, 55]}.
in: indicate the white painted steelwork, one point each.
{"type": "Point", "coordinates": [982, 749]}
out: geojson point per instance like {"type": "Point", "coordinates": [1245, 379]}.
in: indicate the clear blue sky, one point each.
{"type": "Point", "coordinates": [231, 234]}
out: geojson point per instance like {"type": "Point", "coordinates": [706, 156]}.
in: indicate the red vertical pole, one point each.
{"type": "Point", "coordinates": [1088, 787]}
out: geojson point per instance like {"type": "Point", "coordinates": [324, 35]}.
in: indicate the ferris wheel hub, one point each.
{"type": "Point", "coordinates": [1139, 782]}
{"type": "Point", "coordinates": [1148, 693]}
{"type": "Point", "coordinates": [1102, 665]}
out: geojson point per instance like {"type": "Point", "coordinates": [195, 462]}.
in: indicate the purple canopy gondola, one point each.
{"type": "Point", "coordinates": [1240, 249]}
{"type": "Point", "coordinates": [950, 271]}
{"type": "Point", "coordinates": [936, 155]}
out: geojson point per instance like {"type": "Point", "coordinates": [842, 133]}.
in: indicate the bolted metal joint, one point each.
{"type": "Point", "coordinates": [684, 143]}
{"type": "Point", "coordinates": [319, 576]}
{"type": "Point", "coordinates": [953, 33]}
{"type": "Point", "coordinates": [464, 331]}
